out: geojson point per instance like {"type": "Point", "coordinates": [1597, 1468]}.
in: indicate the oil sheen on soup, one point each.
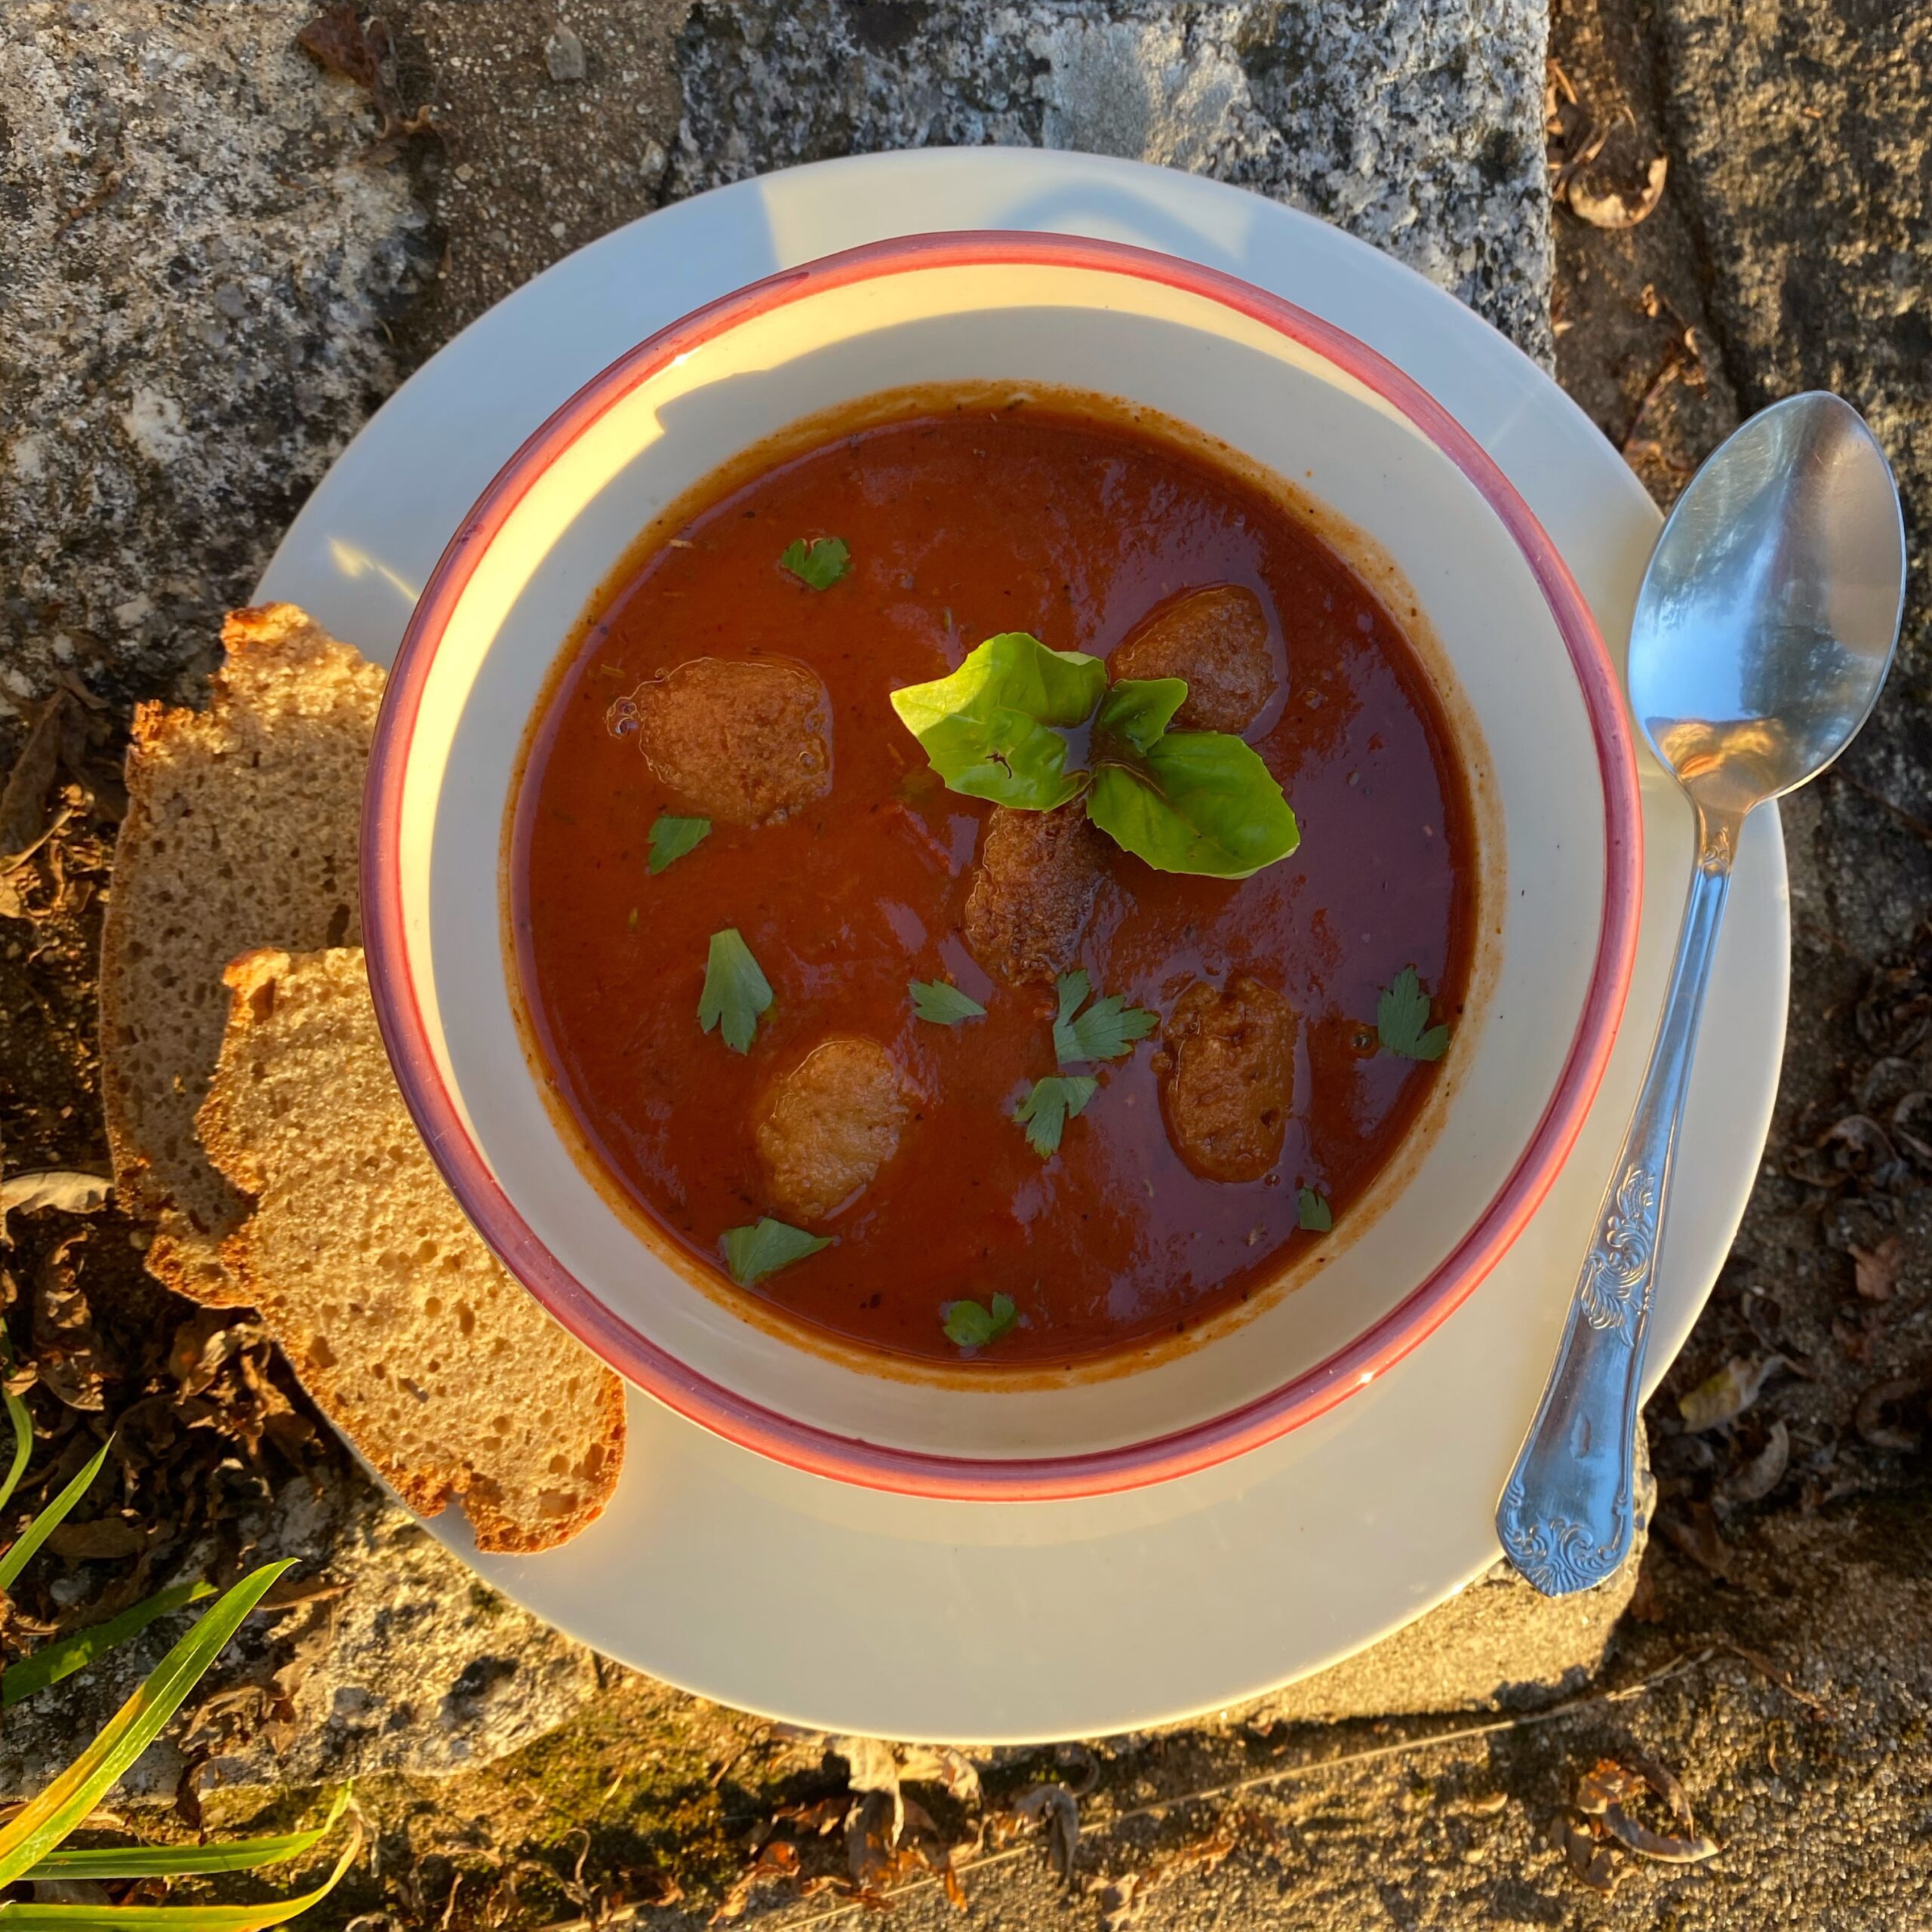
{"type": "Point", "coordinates": [956, 1081]}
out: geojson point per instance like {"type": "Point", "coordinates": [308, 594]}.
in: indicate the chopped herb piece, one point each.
{"type": "Point", "coordinates": [735, 991]}
{"type": "Point", "coordinates": [973, 1327]}
{"type": "Point", "coordinates": [1052, 1103]}
{"type": "Point", "coordinates": [819, 564]}
{"type": "Point", "coordinates": [1106, 1030]}
{"type": "Point", "coordinates": [753, 1252]}
{"type": "Point", "coordinates": [1072, 989]}
{"type": "Point", "coordinates": [942, 1003]}
{"type": "Point", "coordinates": [671, 838]}
{"type": "Point", "coordinates": [1313, 1213]}
{"type": "Point", "coordinates": [1401, 1015]}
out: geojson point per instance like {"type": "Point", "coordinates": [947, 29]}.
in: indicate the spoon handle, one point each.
{"type": "Point", "coordinates": [1568, 1514]}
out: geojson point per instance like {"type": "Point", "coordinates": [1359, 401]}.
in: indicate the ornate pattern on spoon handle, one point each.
{"type": "Point", "coordinates": [1567, 1515]}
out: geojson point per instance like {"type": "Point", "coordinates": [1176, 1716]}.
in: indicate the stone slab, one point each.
{"type": "Point", "coordinates": [201, 255]}
{"type": "Point", "coordinates": [405, 1663]}
{"type": "Point", "coordinates": [1418, 127]}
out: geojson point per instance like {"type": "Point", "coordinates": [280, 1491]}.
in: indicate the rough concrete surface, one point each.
{"type": "Point", "coordinates": [1497, 1645]}
{"type": "Point", "coordinates": [216, 262]}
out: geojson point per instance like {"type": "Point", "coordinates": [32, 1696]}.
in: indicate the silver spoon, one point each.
{"type": "Point", "coordinates": [1763, 630]}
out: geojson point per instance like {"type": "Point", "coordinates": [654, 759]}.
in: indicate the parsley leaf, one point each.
{"type": "Point", "coordinates": [753, 1252]}
{"type": "Point", "coordinates": [993, 729]}
{"type": "Point", "coordinates": [1106, 1030]}
{"type": "Point", "coordinates": [942, 1003]}
{"type": "Point", "coordinates": [973, 1327]}
{"type": "Point", "coordinates": [819, 564]}
{"type": "Point", "coordinates": [735, 991]}
{"type": "Point", "coordinates": [671, 838]}
{"type": "Point", "coordinates": [1052, 1103]}
{"type": "Point", "coordinates": [1313, 1213]}
{"type": "Point", "coordinates": [1401, 1015]}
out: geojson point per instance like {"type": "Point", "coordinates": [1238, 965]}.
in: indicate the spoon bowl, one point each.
{"type": "Point", "coordinates": [1770, 612]}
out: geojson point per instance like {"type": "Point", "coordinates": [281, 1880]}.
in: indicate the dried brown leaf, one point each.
{"type": "Point", "coordinates": [922, 1764]}
{"type": "Point", "coordinates": [345, 43]}
{"type": "Point", "coordinates": [68, 1354]}
{"type": "Point", "coordinates": [776, 1860]}
{"type": "Point", "coordinates": [1859, 1145]}
{"type": "Point", "coordinates": [1608, 1790]}
{"type": "Point", "coordinates": [295, 1592]}
{"type": "Point", "coordinates": [203, 1343]}
{"type": "Point", "coordinates": [106, 1536]}
{"type": "Point", "coordinates": [877, 1820]}
{"type": "Point", "coordinates": [1884, 1407]}
{"type": "Point", "coordinates": [65, 1190]}
{"type": "Point", "coordinates": [1121, 1900]}
{"type": "Point", "coordinates": [826, 1816]}
{"type": "Point", "coordinates": [1061, 1810]}
{"type": "Point", "coordinates": [1614, 210]}
{"type": "Point", "coordinates": [1667, 1848]}
{"type": "Point", "coordinates": [1588, 1858]}
{"type": "Point", "coordinates": [871, 1837]}
{"type": "Point", "coordinates": [948, 1872]}
{"type": "Point", "coordinates": [651, 1885]}
{"type": "Point", "coordinates": [1723, 1397]}
{"type": "Point", "coordinates": [1758, 1478]}
{"type": "Point", "coordinates": [1692, 1528]}
{"type": "Point", "coordinates": [23, 798]}
{"type": "Point", "coordinates": [1876, 1270]}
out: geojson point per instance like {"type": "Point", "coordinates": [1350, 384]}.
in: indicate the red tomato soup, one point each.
{"type": "Point", "coordinates": [1268, 1051]}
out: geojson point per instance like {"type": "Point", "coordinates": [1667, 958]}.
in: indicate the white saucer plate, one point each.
{"type": "Point", "coordinates": [856, 1610]}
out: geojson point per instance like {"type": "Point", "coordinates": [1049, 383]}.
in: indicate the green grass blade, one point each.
{"type": "Point", "coordinates": [51, 1518]}
{"type": "Point", "coordinates": [175, 1917]}
{"type": "Point", "coordinates": [41, 1824]}
{"type": "Point", "coordinates": [52, 1662]}
{"type": "Point", "coordinates": [184, 1861]}
{"type": "Point", "coordinates": [17, 1414]}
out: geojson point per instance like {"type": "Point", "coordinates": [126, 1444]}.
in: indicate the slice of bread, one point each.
{"type": "Point", "coordinates": [241, 831]}
{"type": "Point", "coordinates": [436, 1364]}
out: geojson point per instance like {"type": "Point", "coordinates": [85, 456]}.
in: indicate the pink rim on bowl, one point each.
{"type": "Point", "coordinates": [847, 1458]}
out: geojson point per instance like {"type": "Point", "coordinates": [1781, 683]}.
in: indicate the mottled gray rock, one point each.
{"type": "Point", "coordinates": [404, 1663]}
{"type": "Point", "coordinates": [200, 251]}
{"type": "Point", "coordinates": [1418, 127]}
